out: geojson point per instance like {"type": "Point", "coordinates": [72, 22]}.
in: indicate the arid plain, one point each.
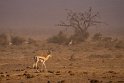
{"type": "Point", "coordinates": [86, 62]}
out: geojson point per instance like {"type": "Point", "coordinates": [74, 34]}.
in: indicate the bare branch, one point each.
{"type": "Point", "coordinates": [81, 21]}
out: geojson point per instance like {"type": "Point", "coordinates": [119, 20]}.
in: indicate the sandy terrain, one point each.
{"type": "Point", "coordinates": [82, 63]}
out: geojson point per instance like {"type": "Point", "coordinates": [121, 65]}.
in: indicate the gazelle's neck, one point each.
{"type": "Point", "coordinates": [48, 57]}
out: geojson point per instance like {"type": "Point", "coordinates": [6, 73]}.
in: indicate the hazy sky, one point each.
{"type": "Point", "coordinates": [46, 13]}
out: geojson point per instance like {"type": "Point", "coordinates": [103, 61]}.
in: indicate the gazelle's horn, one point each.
{"type": "Point", "coordinates": [48, 52]}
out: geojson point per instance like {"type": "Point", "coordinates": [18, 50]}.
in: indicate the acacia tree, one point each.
{"type": "Point", "coordinates": [80, 22]}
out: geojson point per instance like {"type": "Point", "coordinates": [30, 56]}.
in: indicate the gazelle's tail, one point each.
{"type": "Point", "coordinates": [35, 58]}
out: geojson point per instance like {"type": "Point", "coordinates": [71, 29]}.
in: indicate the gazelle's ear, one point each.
{"type": "Point", "coordinates": [48, 52]}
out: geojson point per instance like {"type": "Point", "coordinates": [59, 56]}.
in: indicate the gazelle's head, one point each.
{"type": "Point", "coordinates": [49, 52]}
{"type": "Point", "coordinates": [49, 55]}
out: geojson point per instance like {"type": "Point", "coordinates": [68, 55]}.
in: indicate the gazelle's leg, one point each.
{"type": "Point", "coordinates": [44, 66]}
{"type": "Point", "coordinates": [41, 68]}
{"type": "Point", "coordinates": [34, 64]}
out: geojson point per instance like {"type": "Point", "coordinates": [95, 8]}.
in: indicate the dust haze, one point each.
{"type": "Point", "coordinates": [40, 17]}
{"type": "Point", "coordinates": [37, 46]}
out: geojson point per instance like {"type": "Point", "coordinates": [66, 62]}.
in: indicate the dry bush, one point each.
{"type": "Point", "coordinates": [3, 39]}
{"type": "Point", "coordinates": [60, 38]}
{"type": "Point", "coordinates": [97, 37]}
{"type": "Point", "coordinates": [16, 40]}
{"type": "Point", "coordinates": [77, 37]}
{"type": "Point", "coordinates": [107, 42]}
{"type": "Point", "coordinates": [31, 41]}
{"type": "Point", "coordinates": [119, 44]}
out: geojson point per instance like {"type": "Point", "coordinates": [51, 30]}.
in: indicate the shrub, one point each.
{"type": "Point", "coordinates": [30, 41]}
{"type": "Point", "coordinates": [119, 44]}
{"type": "Point", "coordinates": [109, 42]}
{"type": "Point", "coordinates": [97, 37]}
{"type": "Point", "coordinates": [16, 40]}
{"type": "Point", "coordinates": [78, 37]}
{"type": "Point", "coordinates": [60, 38]}
{"type": "Point", "coordinates": [3, 39]}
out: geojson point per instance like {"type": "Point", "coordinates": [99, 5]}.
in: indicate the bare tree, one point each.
{"type": "Point", "coordinates": [80, 22]}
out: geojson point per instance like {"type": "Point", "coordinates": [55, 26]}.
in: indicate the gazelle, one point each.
{"type": "Point", "coordinates": [70, 43]}
{"type": "Point", "coordinates": [10, 43]}
{"type": "Point", "coordinates": [40, 58]}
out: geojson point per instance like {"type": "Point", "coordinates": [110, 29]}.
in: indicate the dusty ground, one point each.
{"type": "Point", "coordinates": [83, 63]}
